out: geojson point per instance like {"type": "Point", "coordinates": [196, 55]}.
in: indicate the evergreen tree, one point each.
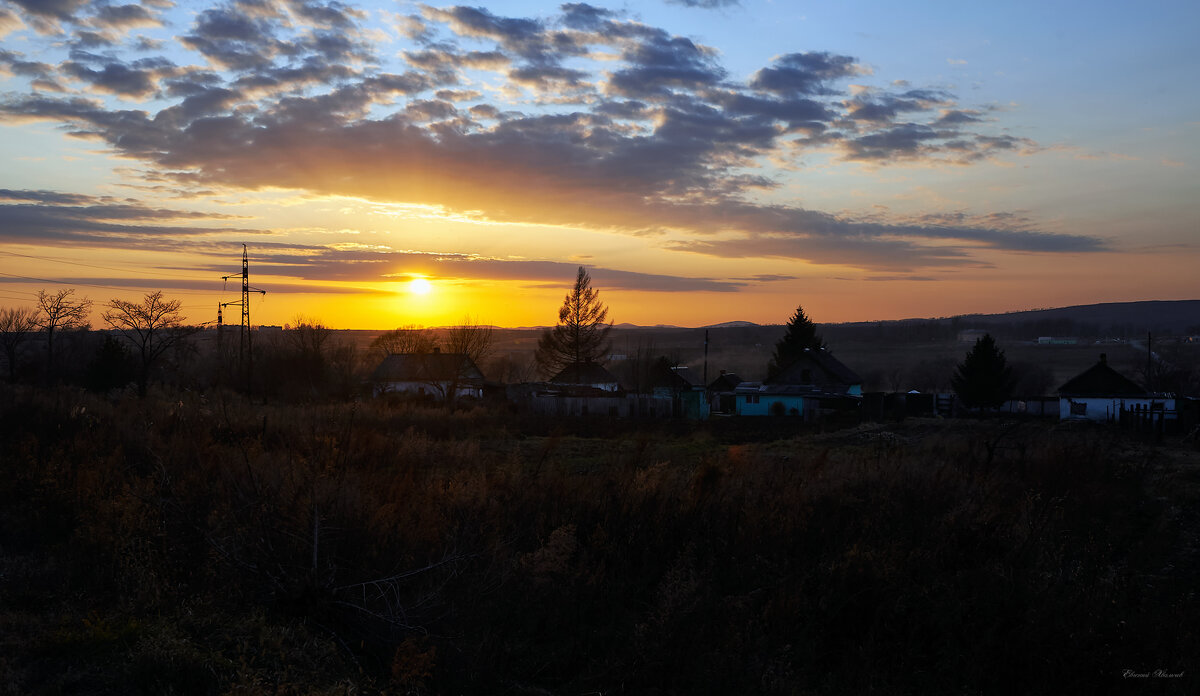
{"type": "Point", "coordinates": [801, 335]}
{"type": "Point", "coordinates": [582, 332]}
{"type": "Point", "coordinates": [984, 378]}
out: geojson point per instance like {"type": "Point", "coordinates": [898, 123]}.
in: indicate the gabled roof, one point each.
{"type": "Point", "coordinates": [1101, 380]}
{"type": "Point", "coordinates": [726, 382]}
{"type": "Point", "coordinates": [663, 376]}
{"type": "Point", "coordinates": [822, 360]}
{"type": "Point", "coordinates": [584, 373]}
{"type": "Point", "coordinates": [427, 367]}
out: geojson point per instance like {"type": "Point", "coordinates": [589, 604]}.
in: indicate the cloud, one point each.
{"type": "Point", "coordinates": [326, 264]}
{"type": "Point", "coordinates": [46, 16]}
{"type": "Point", "coordinates": [9, 22]}
{"type": "Point", "coordinates": [125, 17]}
{"type": "Point", "coordinates": [50, 216]}
{"type": "Point", "coordinates": [38, 216]}
{"type": "Point", "coordinates": [705, 4]}
{"type": "Point", "coordinates": [805, 73]}
{"type": "Point", "coordinates": [656, 137]}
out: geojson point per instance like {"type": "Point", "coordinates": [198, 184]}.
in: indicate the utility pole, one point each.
{"type": "Point", "coordinates": [245, 345]}
{"type": "Point", "coordinates": [1149, 361]}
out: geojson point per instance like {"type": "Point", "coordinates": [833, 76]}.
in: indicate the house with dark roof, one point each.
{"type": "Point", "coordinates": [674, 385]}
{"type": "Point", "coordinates": [1101, 394]}
{"type": "Point", "coordinates": [721, 398]}
{"type": "Point", "coordinates": [439, 375]}
{"type": "Point", "coordinates": [815, 384]}
{"type": "Point", "coordinates": [587, 374]}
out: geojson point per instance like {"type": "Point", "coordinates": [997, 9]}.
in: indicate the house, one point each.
{"type": "Point", "coordinates": [1101, 394]}
{"type": "Point", "coordinates": [588, 374]}
{"type": "Point", "coordinates": [812, 386]}
{"type": "Point", "coordinates": [439, 375]}
{"type": "Point", "coordinates": [721, 397]}
{"type": "Point", "coordinates": [673, 384]}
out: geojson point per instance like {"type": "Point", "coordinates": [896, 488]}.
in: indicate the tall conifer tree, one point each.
{"type": "Point", "coordinates": [984, 378]}
{"type": "Point", "coordinates": [582, 332]}
{"type": "Point", "coordinates": [801, 335]}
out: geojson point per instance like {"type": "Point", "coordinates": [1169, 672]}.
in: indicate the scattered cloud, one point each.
{"type": "Point", "coordinates": [705, 4]}
{"type": "Point", "coordinates": [585, 118]}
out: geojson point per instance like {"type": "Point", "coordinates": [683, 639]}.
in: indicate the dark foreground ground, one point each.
{"type": "Point", "coordinates": [191, 545]}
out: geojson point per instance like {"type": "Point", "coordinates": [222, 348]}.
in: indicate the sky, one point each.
{"type": "Point", "coordinates": [396, 163]}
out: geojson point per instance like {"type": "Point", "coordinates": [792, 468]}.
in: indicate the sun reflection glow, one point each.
{"type": "Point", "coordinates": [420, 286]}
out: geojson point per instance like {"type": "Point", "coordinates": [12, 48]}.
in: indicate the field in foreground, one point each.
{"type": "Point", "coordinates": [209, 545]}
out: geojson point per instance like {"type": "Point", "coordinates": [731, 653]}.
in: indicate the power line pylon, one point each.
{"type": "Point", "coordinates": [245, 345]}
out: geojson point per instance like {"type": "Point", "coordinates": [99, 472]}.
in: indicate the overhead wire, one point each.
{"type": "Point", "coordinates": [55, 259]}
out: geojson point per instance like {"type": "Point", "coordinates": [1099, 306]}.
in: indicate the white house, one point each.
{"type": "Point", "coordinates": [587, 374]}
{"type": "Point", "coordinates": [436, 374]}
{"type": "Point", "coordinates": [1100, 393]}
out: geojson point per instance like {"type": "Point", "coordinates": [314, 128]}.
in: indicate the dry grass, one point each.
{"type": "Point", "coordinates": [210, 545]}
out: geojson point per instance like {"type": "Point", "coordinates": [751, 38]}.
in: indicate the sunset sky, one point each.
{"type": "Point", "coordinates": [705, 160]}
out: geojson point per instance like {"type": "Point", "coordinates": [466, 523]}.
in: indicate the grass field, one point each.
{"type": "Point", "coordinates": [204, 545]}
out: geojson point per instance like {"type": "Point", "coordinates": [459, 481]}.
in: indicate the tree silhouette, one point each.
{"type": "Point", "coordinates": [983, 379]}
{"type": "Point", "coordinates": [153, 326]}
{"type": "Point", "coordinates": [581, 335]}
{"type": "Point", "coordinates": [15, 326]}
{"type": "Point", "coordinates": [470, 338]}
{"type": "Point", "coordinates": [404, 339]}
{"type": "Point", "coordinates": [801, 335]}
{"type": "Point", "coordinates": [59, 311]}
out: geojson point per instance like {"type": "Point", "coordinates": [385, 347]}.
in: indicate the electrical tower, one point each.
{"type": "Point", "coordinates": [245, 346]}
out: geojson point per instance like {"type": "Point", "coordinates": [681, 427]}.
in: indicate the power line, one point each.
{"type": "Point", "coordinates": [184, 291]}
{"type": "Point", "coordinates": [55, 259]}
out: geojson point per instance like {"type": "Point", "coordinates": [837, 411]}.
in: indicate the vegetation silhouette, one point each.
{"type": "Point", "coordinates": [581, 335]}
{"type": "Point", "coordinates": [799, 335]}
{"type": "Point", "coordinates": [983, 379]}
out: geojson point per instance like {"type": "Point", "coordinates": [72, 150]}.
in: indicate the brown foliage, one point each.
{"type": "Point", "coordinates": [212, 545]}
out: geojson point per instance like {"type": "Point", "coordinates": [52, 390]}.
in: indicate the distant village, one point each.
{"type": "Point", "coordinates": [578, 375]}
{"type": "Point", "coordinates": [816, 387]}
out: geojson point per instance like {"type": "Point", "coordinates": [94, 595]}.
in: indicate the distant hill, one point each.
{"type": "Point", "coordinates": [1123, 318]}
{"type": "Point", "coordinates": [731, 325]}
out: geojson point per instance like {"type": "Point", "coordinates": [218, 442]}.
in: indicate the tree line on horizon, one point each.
{"type": "Point", "coordinates": [149, 339]}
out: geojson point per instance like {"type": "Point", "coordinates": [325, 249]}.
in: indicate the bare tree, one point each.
{"type": "Point", "coordinates": [581, 335]}
{"type": "Point", "coordinates": [405, 339]}
{"type": "Point", "coordinates": [60, 311]}
{"type": "Point", "coordinates": [153, 326]}
{"type": "Point", "coordinates": [470, 338]}
{"type": "Point", "coordinates": [16, 323]}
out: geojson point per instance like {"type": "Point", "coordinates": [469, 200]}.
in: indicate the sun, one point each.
{"type": "Point", "coordinates": [420, 286]}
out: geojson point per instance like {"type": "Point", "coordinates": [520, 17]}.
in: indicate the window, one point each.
{"type": "Point", "coordinates": [1078, 408]}
{"type": "Point", "coordinates": [806, 376]}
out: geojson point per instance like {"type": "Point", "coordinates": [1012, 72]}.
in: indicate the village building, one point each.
{"type": "Point", "coordinates": [437, 375]}
{"type": "Point", "coordinates": [588, 374]}
{"type": "Point", "coordinates": [721, 397]}
{"type": "Point", "coordinates": [812, 387]}
{"type": "Point", "coordinates": [675, 393]}
{"type": "Point", "coordinates": [584, 389]}
{"type": "Point", "coordinates": [1102, 394]}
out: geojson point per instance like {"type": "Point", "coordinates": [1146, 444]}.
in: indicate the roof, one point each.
{"type": "Point", "coordinates": [1101, 380]}
{"type": "Point", "coordinates": [663, 376]}
{"type": "Point", "coordinates": [821, 359]}
{"type": "Point", "coordinates": [584, 373]}
{"type": "Point", "coordinates": [747, 388]}
{"type": "Point", "coordinates": [726, 382]}
{"type": "Point", "coordinates": [426, 367]}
